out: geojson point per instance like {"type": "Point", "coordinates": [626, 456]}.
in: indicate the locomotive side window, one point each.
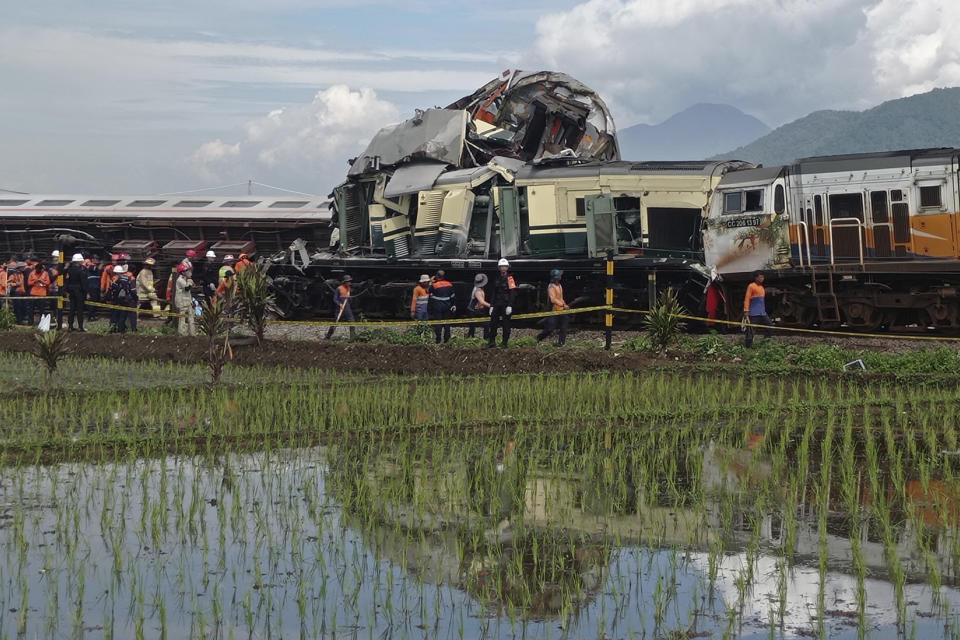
{"type": "Point", "coordinates": [930, 197]}
{"type": "Point", "coordinates": [581, 208]}
{"type": "Point", "coordinates": [818, 205]}
{"type": "Point", "coordinates": [733, 202]}
{"type": "Point", "coordinates": [896, 195]}
{"type": "Point", "coordinates": [779, 200]}
{"type": "Point", "coordinates": [878, 203]}
{"type": "Point", "coordinates": [754, 200]}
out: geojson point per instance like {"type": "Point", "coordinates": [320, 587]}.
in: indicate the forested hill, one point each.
{"type": "Point", "coordinates": [924, 120]}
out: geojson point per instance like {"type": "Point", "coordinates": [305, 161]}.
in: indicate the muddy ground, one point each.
{"type": "Point", "coordinates": [345, 356]}
{"type": "Point", "coordinates": [301, 347]}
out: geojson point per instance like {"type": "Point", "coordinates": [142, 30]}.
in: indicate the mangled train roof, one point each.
{"type": "Point", "coordinates": [523, 115]}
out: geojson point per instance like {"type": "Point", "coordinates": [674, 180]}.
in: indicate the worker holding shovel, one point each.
{"type": "Point", "coordinates": [341, 301]}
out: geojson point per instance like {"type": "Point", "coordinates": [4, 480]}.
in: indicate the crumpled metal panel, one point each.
{"type": "Point", "coordinates": [534, 115]}
{"type": "Point", "coordinates": [526, 116]}
{"type": "Point", "coordinates": [413, 178]}
{"type": "Point", "coordinates": [434, 134]}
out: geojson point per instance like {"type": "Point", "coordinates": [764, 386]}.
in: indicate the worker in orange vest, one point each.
{"type": "Point", "coordinates": [341, 306]}
{"type": "Point", "coordinates": [243, 261]}
{"type": "Point", "coordinates": [755, 308]}
{"type": "Point", "coordinates": [15, 288]}
{"type": "Point", "coordinates": [421, 296]}
{"type": "Point", "coordinates": [557, 303]}
{"type": "Point", "coordinates": [442, 305]}
{"type": "Point", "coordinates": [38, 283]}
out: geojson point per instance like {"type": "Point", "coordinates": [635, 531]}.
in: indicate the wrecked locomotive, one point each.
{"type": "Point", "coordinates": [526, 168]}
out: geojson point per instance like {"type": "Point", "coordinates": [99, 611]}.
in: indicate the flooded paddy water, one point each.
{"type": "Point", "coordinates": [553, 506]}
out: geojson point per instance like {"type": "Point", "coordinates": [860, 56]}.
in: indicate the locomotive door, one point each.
{"type": "Point", "coordinates": [846, 220]}
{"type": "Point", "coordinates": [601, 225]}
{"type": "Point", "coordinates": [880, 224]}
{"type": "Point", "coordinates": [902, 234]}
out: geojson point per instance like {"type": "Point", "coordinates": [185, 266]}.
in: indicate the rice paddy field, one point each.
{"type": "Point", "coordinates": [136, 501]}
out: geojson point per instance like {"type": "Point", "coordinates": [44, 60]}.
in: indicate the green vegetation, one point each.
{"type": "Point", "coordinates": [50, 348]}
{"type": "Point", "coordinates": [656, 503]}
{"type": "Point", "coordinates": [662, 325]}
{"type": "Point", "coordinates": [254, 300]}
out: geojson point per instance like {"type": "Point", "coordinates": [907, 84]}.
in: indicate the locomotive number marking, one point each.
{"type": "Point", "coordinates": [753, 221]}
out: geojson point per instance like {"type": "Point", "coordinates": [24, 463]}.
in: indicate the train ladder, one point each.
{"type": "Point", "coordinates": [828, 306]}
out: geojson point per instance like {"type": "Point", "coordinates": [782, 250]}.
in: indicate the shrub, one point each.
{"type": "Point", "coordinates": [51, 348]}
{"type": "Point", "coordinates": [7, 319]}
{"type": "Point", "coordinates": [661, 323]}
{"type": "Point", "coordinates": [254, 300]}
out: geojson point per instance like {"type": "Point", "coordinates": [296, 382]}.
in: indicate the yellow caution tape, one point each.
{"type": "Point", "coordinates": [819, 332]}
{"type": "Point", "coordinates": [148, 312]}
{"type": "Point", "coordinates": [451, 321]}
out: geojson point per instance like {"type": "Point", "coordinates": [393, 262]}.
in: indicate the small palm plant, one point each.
{"type": "Point", "coordinates": [215, 324]}
{"type": "Point", "coordinates": [51, 348]}
{"type": "Point", "coordinates": [7, 318]}
{"type": "Point", "coordinates": [662, 324]}
{"type": "Point", "coordinates": [254, 299]}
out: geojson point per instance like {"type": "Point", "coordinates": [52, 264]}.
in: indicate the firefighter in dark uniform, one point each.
{"type": "Point", "coordinates": [504, 296]}
{"type": "Point", "coordinates": [441, 305]}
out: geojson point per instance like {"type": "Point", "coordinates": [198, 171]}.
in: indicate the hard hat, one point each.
{"type": "Point", "coordinates": [120, 269]}
{"type": "Point", "coordinates": [191, 253]}
{"type": "Point", "coordinates": [55, 254]}
{"type": "Point", "coordinates": [480, 280]}
{"type": "Point", "coordinates": [502, 262]}
{"type": "Point", "coordinates": [182, 267]}
{"type": "Point", "coordinates": [556, 273]}
{"type": "Point", "coordinates": [149, 262]}
{"type": "Point", "coordinates": [242, 256]}
{"type": "Point", "coordinates": [424, 278]}
{"type": "Point", "coordinates": [228, 258]}
{"type": "Point", "coordinates": [347, 278]}
{"type": "Point", "coordinates": [211, 254]}
{"type": "Point", "coordinates": [77, 257]}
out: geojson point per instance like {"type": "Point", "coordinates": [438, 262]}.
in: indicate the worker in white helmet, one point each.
{"type": "Point", "coordinates": [502, 301]}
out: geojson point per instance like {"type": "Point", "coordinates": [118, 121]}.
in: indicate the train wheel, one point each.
{"type": "Point", "coordinates": [862, 315]}
{"type": "Point", "coordinates": [795, 314]}
{"type": "Point", "coordinates": [943, 316]}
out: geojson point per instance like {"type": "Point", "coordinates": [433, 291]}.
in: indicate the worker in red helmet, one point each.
{"type": "Point", "coordinates": [243, 261]}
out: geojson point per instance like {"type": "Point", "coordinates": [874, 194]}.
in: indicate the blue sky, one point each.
{"type": "Point", "coordinates": [127, 97]}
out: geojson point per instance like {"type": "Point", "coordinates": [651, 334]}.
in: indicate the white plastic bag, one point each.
{"type": "Point", "coordinates": [44, 325]}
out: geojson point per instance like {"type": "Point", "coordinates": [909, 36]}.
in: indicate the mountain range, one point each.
{"type": "Point", "coordinates": [719, 131]}
{"type": "Point", "coordinates": [924, 120]}
{"type": "Point", "coordinates": [696, 132]}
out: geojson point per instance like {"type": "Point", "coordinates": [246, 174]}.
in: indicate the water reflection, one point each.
{"type": "Point", "coordinates": [596, 535]}
{"type": "Point", "coordinates": [769, 550]}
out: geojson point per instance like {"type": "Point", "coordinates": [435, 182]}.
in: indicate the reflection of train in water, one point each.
{"type": "Point", "coordinates": [528, 168]}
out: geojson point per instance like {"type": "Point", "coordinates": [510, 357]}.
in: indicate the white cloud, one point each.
{"type": "Point", "coordinates": [916, 48]}
{"type": "Point", "coordinates": [777, 59]}
{"type": "Point", "coordinates": [305, 144]}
